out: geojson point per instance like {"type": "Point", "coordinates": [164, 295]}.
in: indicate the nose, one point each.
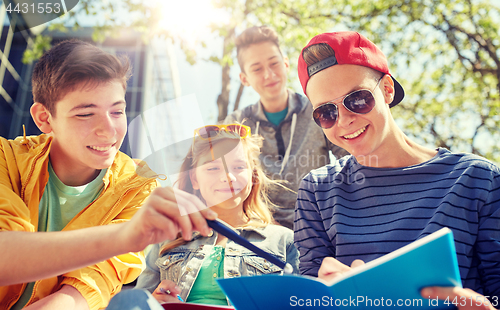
{"type": "Point", "coordinates": [227, 176]}
{"type": "Point", "coordinates": [105, 127]}
{"type": "Point", "coordinates": [345, 117]}
{"type": "Point", "coordinates": [268, 72]}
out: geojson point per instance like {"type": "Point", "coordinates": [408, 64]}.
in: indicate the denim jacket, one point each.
{"type": "Point", "coordinates": [182, 264]}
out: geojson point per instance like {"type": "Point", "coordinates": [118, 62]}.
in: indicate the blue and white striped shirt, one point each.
{"type": "Point", "coordinates": [349, 211]}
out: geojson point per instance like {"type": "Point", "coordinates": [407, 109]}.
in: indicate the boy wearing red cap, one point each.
{"type": "Point", "coordinates": [293, 145]}
{"type": "Point", "coordinates": [390, 191]}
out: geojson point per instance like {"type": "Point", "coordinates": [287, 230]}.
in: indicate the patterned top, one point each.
{"type": "Point", "coordinates": [349, 211]}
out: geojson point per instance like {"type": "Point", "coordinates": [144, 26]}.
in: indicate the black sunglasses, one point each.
{"type": "Point", "coordinates": [360, 101]}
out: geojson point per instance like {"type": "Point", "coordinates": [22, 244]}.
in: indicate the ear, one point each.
{"type": "Point", "coordinates": [388, 88]}
{"type": "Point", "coordinates": [194, 181]}
{"type": "Point", "coordinates": [286, 61]}
{"type": "Point", "coordinates": [244, 79]}
{"type": "Point", "coordinates": [42, 117]}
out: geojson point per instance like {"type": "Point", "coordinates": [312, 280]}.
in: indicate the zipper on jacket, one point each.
{"type": "Point", "coordinates": [35, 160]}
{"type": "Point", "coordinates": [37, 283]}
{"type": "Point", "coordinates": [119, 200]}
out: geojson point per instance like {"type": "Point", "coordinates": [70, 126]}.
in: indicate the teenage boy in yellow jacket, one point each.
{"type": "Point", "coordinates": [59, 190]}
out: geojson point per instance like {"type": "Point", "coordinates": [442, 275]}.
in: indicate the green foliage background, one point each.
{"type": "Point", "coordinates": [445, 54]}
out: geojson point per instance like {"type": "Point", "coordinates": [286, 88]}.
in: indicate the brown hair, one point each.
{"type": "Point", "coordinates": [70, 63]}
{"type": "Point", "coordinates": [255, 35]}
{"type": "Point", "coordinates": [317, 52]}
{"type": "Point", "coordinates": [256, 206]}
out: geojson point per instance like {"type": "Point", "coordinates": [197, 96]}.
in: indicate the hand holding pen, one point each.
{"type": "Point", "coordinates": [167, 292]}
{"type": "Point", "coordinates": [223, 228]}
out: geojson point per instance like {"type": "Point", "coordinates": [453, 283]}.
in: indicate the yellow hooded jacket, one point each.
{"type": "Point", "coordinates": [23, 176]}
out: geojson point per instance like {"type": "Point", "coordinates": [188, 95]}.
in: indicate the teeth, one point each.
{"type": "Point", "coordinates": [354, 135]}
{"type": "Point", "coordinates": [100, 148]}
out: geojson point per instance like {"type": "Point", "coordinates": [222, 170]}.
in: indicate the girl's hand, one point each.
{"type": "Point", "coordinates": [463, 298]}
{"type": "Point", "coordinates": [166, 292]}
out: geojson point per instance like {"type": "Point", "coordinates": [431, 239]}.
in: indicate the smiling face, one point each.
{"type": "Point", "coordinates": [265, 69]}
{"type": "Point", "coordinates": [88, 128]}
{"type": "Point", "coordinates": [359, 134]}
{"type": "Point", "coordinates": [224, 191]}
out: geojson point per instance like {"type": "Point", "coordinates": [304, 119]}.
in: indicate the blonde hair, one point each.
{"type": "Point", "coordinates": [256, 207]}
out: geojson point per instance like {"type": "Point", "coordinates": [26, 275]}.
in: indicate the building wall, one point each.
{"type": "Point", "coordinates": [151, 82]}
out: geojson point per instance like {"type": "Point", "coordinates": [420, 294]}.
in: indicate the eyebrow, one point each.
{"type": "Point", "coordinates": [93, 105]}
{"type": "Point", "coordinates": [218, 160]}
{"type": "Point", "coordinates": [258, 63]}
{"type": "Point", "coordinates": [210, 161]}
{"type": "Point", "coordinates": [355, 88]}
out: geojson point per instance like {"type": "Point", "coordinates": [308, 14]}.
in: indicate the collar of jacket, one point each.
{"type": "Point", "coordinates": [246, 232]}
{"type": "Point", "coordinates": [296, 104]}
{"type": "Point", "coordinates": [258, 230]}
{"type": "Point", "coordinates": [255, 229]}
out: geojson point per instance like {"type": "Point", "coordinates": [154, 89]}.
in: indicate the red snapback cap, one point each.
{"type": "Point", "coordinates": [352, 48]}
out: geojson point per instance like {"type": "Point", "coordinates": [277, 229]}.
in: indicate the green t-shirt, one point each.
{"type": "Point", "coordinates": [278, 117]}
{"type": "Point", "coordinates": [205, 289]}
{"type": "Point", "coordinates": [59, 205]}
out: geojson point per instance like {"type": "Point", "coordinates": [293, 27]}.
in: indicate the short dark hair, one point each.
{"type": "Point", "coordinates": [321, 51]}
{"type": "Point", "coordinates": [70, 63]}
{"type": "Point", "coordinates": [254, 35]}
{"type": "Point", "coordinates": [317, 52]}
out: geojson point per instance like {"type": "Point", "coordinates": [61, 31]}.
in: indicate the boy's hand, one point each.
{"type": "Point", "coordinates": [166, 292]}
{"type": "Point", "coordinates": [67, 297]}
{"type": "Point", "coordinates": [332, 268]}
{"type": "Point", "coordinates": [160, 218]}
{"type": "Point", "coordinates": [463, 298]}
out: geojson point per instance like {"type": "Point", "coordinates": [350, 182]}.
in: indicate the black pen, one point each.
{"type": "Point", "coordinates": [226, 230]}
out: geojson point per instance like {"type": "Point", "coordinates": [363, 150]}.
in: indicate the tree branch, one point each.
{"type": "Point", "coordinates": [223, 98]}
{"type": "Point", "coordinates": [476, 132]}
{"type": "Point", "coordinates": [437, 136]}
{"type": "Point", "coordinates": [238, 97]}
{"type": "Point", "coordinates": [485, 44]}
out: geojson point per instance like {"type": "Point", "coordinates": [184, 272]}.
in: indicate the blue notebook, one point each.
{"type": "Point", "coordinates": [393, 280]}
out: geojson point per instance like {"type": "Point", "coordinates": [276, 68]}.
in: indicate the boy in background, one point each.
{"type": "Point", "coordinates": [293, 144]}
